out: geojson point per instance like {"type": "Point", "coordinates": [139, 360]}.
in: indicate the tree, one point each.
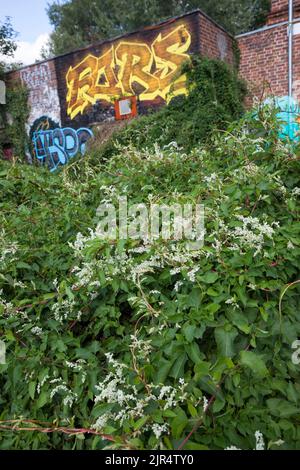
{"type": "Point", "coordinates": [78, 23]}
{"type": "Point", "coordinates": [7, 36]}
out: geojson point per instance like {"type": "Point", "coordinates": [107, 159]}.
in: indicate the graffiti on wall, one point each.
{"type": "Point", "coordinates": [288, 115]}
{"type": "Point", "coordinates": [55, 146]}
{"type": "Point", "coordinates": [130, 68]}
{"type": "Point", "coordinates": [43, 95]}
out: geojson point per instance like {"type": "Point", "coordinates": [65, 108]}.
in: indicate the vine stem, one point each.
{"type": "Point", "coordinates": [199, 422]}
{"type": "Point", "coordinates": [210, 403]}
{"type": "Point", "coordinates": [11, 426]}
{"type": "Point", "coordinates": [286, 288]}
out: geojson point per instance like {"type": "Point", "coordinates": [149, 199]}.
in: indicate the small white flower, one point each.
{"type": "Point", "coordinates": [260, 444]}
{"type": "Point", "coordinates": [205, 404]}
{"type": "Point", "coordinates": [159, 429]}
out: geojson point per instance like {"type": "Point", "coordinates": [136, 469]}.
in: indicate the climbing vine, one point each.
{"type": "Point", "coordinates": [14, 116]}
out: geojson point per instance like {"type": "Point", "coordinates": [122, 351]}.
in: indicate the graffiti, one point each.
{"type": "Point", "coordinates": [288, 115]}
{"type": "Point", "coordinates": [37, 76]}
{"type": "Point", "coordinates": [56, 146]}
{"type": "Point", "coordinates": [130, 68]}
{"type": "Point", "coordinates": [43, 94]}
{"type": "Point", "coordinates": [43, 123]}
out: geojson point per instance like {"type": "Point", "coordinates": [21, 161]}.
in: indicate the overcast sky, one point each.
{"type": "Point", "coordinates": [30, 20]}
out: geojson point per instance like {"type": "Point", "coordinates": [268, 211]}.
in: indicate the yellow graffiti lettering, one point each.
{"type": "Point", "coordinates": [79, 82]}
{"type": "Point", "coordinates": [105, 83]}
{"type": "Point", "coordinates": [170, 54]}
{"type": "Point", "coordinates": [130, 68]}
{"type": "Point", "coordinates": [135, 61]}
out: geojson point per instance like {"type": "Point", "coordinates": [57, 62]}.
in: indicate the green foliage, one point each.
{"type": "Point", "coordinates": [7, 38]}
{"type": "Point", "coordinates": [132, 338]}
{"type": "Point", "coordinates": [215, 98]}
{"type": "Point", "coordinates": [15, 115]}
{"type": "Point", "coordinates": [78, 23]}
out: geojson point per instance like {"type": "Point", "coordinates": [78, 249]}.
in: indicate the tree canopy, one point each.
{"type": "Point", "coordinates": [7, 36]}
{"type": "Point", "coordinates": [81, 22]}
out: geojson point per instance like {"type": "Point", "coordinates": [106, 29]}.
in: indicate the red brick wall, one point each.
{"type": "Point", "coordinates": [264, 61]}
{"type": "Point", "coordinates": [264, 54]}
{"type": "Point", "coordinates": [215, 42]}
{"type": "Point", "coordinates": [279, 11]}
{"type": "Point", "coordinates": [49, 82]}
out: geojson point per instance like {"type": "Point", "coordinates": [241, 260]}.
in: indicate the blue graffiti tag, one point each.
{"type": "Point", "coordinates": [57, 146]}
{"type": "Point", "coordinates": [288, 115]}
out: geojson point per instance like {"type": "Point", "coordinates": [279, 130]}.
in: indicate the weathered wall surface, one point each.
{"type": "Point", "coordinates": [214, 42]}
{"type": "Point", "coordinates": [41, 82]}
{"type": "Point", "coordinates": [79, 88]}
{"type": "Point", "coordinates": [70, 93]}
{"type": "Point", "coordinates": [144, 64]}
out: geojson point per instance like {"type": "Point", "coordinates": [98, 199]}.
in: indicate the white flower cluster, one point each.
{"type": "Point", "coordinates": [37, 331]}
{"type": "Point", "coordinates": [64, 309]}
{"type": "Point", "coordinates": [211, 180]}
{"type": "Point", "coordinates": [232, 301]}
{"type": "Point", "coordinates": [61, 388]}
{"type": "Point", "coordinates": [251, 234]}
{"type": "Point", "coordinates": [159, 429]}
{"type": "Point", "coordinates": [7, 250]}
{"type": "Point", "coordinates": [128, 266]}
{"type": "Point", "coordinates": [249, 170]}
{"type": "Point", "coordinates": [7, 309]}
{"type": "Point", "coordinates": [260, 443]}
{"type": "Point", "coordinates": [129, 403]}
{"type": "Point", "coordinates": [140, 348]}
{"type": "Point", "coordinates": [295, 192]}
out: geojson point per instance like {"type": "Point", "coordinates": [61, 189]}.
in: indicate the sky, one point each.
{"type": "Point", "coordinates": [30, 20]}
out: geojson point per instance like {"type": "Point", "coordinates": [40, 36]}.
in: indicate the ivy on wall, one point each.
{"type": "Point", "coordinates": [13, 117]}
{"type": "Point", "coordinates": [216, 96]}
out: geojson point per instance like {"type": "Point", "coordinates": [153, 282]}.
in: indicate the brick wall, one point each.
{"type": "Point", "coordinates": [120, 77]}
{"type": "Point", "coordinates": [279, 11]}
{"type": "Point", "coordinates": [78, 89]}
{"type": "Point", "coordinates": [214, 41]}
{"type": "Point", "coordinates": [264, 54]}
{"type": "Point", "coordinates": [264, 61]}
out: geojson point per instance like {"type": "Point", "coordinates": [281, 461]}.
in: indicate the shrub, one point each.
{"type": "Point", "coordinates": [215, 98]}
{"type": "Point", "coordinates": [145, 343]}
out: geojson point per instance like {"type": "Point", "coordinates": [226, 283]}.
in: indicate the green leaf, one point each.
{"type": "Point", "coordinates": [140, 423]}
{"type": "Point", "coordinates": [179, 423]}
{"type": "Point", "coordinates": [282, 408]}
{"type": "Point", "coordinates": [239, 320]}
{"type": "Point", "coordinates": [189, 332]}
{"type": "Point", "coordinates": [190, 445]}
{"type": "Point", "coordinates": [163, 368]}
{"type": "Point", "coordinates": [42, 400]}
{"type": "Point", "coordinates": [254, 362]}
{"type": "Point", "coordinates": [202, 369]}
{"type": "Point", "coordinates": [31, 389]}
{"type": "Point", "coordinates": [177, 370]}
{"type": "Point", "coordinates": [225, 340]}
{"type": "Point", "coordinates": [193, 352]}
{"type": "Point", "coordinates": [209, 277]}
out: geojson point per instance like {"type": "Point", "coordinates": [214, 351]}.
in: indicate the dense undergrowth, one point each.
{"type": "Point", "coordinates": [215, 98]}
{"type": "Point", "coordinates": [146, 341]}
